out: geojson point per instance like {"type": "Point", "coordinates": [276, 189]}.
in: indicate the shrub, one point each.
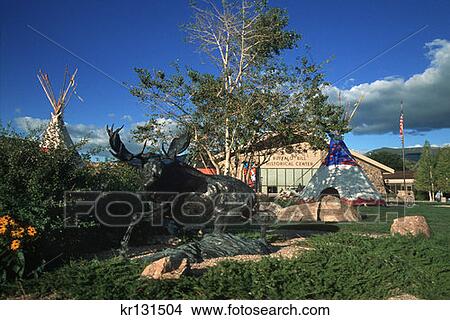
{"type": "Point", "coordinates": [32, 186]}
{"type": "Point", "coordinates": [112, 176]}
{"type": "Point", "coordinates": [34, 181]}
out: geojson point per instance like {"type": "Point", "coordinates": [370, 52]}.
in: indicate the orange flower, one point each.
{"type": "Point", "coordinates": [5, 220]}
{"type": "Point", "coordinates": [31, 231]}
{"type": "Point", "coordinates": [2, 230]}
{"type": "Point", "coordinates": [15, 245]}
{"type": "Point", "coordinates": [18, 233]}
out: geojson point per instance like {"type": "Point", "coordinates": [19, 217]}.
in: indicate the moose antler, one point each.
{"type": "Point", "coordinates": [177, 146]}
{"type": "Point", "coordinates": [118, 148]}
{"type": "Point", "coordinates": [121, 152]}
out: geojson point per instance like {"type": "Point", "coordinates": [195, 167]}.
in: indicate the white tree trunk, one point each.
{"type": "Point", "coordinates": [227, 149]}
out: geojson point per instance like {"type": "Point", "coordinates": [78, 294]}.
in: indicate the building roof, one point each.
{"type": "Point", "coordinates": [399, 175]}
{"type": "Point", "coordinates": [377, 164]}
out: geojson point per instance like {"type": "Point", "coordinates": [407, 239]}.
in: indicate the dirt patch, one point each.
{"type": "Point", "coordinates": [373, 235]}
{"type": "Point", "coordinates": [284, 249]}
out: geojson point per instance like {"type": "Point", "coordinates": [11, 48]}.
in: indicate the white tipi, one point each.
{"type": "Point", "coordinates": [56, 134]}
{"type": "Point", "coordinates": [341, 176]}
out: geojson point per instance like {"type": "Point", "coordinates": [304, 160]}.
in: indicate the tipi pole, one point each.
{"type": "Point", "coordinates": [402, 135]}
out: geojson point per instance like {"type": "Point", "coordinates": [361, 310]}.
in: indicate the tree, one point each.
{"type": "Point", "coordinates": [442, 170]}
{"type": "Point", "coordinates": [390, 159]}
{"type": "Point", "coordinates": [425, 177]}
{"type": "Point", "coordinates": [255, 104]}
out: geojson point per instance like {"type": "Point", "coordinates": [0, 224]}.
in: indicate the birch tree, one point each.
{"type": "Point", "coordinates": [255, 103]}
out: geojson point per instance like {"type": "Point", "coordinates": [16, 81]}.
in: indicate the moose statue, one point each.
{"type": "Point", "coordinates": [196, 199]}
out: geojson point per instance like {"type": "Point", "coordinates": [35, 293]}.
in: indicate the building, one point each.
{"type": "Point", "coordinates": [395, 183]}
{"type": "Point", "coordinates": [289, 170]}
{"type": "Point", "coordinates": [294, 170]}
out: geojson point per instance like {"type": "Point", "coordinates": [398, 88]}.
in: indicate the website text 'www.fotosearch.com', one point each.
{"type": "Point", "coordinates": [232, 309]}
{"type": "Point", "coordinates": [241, 310]}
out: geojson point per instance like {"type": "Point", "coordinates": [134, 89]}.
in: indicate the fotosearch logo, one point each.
{"type": "Point", "coordinates": [122, 209]}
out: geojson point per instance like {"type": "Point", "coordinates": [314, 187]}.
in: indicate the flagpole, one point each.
{"type": "Point", "coordinates": [403, 150]}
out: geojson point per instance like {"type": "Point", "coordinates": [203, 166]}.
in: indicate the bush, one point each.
{"type": "Point", "coordinates": [34, 181]}
{"type": "Point", "coordinates": [32, 187]}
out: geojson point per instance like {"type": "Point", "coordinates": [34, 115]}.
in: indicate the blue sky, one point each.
{"type": "Point", "coordinates": [116, 36]}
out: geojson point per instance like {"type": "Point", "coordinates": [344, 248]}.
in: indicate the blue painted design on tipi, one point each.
{"type": "Point", "coordinates": [338, 154]}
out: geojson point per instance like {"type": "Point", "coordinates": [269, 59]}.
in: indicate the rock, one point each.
{"type": "Point", "coordinates": [287, 195]}
{"type": "Point", "coordinates": [345, 214]}
{"type": "Point", "coordinates": [269, 207]}
{"type": "Point", "coordinates": [305, 212]}
{"type": "Point", "coordinates": [166, 268]}
{"type": "Point", "coordinates": [330, 202]}
{"type": "Point", "coordinates": [411, 225]}
{"type": "Point", "coordinates": [332, 210]}
{"type": "Point", "coordinates": [267, 212]}
{"type": "Point", "coordinates": [351, 213]}
{"type": "Point", "coordinates": [291, 213]}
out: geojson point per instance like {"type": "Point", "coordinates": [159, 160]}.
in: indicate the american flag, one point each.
{"type": "Point", "coordinates": [402, 136]}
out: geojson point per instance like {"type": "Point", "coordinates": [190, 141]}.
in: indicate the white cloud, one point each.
{"type": "Point", "coordinates": [29, 124]}
{"type": "Point", "coordinates": [95, 135]}
{"type": "Point", "coordinates": [127, 117]}
{"type": "Point", "coordinates": [426, 97]}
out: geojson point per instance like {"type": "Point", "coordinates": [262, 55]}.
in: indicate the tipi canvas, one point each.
{"type": "Point", "coordinates": [341, 173]}
{"type": "Point", "coordinates": [56, 134]}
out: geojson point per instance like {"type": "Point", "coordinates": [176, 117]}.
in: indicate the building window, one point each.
{"type": "Point", "coordinates": [272, 189]}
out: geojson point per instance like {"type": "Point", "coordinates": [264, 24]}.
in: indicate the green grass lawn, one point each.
{"type": "Point", "coordinates": [437, 217]}
{"type": "Point", "coordinates": [346, 264]}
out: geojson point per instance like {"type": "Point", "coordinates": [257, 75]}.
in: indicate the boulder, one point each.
{"type": "Point", "coordinates": [305, 212]}
{"type": "Point", "coordinates": [166, 268]}
{"type": "Point", "coordinates": [287, 195]}
{"type": "Point", "coordinates": [345, 214]}
{"type": "Point", "coordinates": [267, 213]}
{"type": "Point", "coordinates": [332, 210]}
{"type": "Point", "coordinates": [351, 213]}
{"type": "Point", "coordinates": [411, 225]}
{"type": "Point", "coordinates": [269, 207]}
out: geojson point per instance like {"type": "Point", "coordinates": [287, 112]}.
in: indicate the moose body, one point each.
{"type": "Point", "coordinates": [198, 199]}
{"type": "Point", "coordinates": [195, 199]}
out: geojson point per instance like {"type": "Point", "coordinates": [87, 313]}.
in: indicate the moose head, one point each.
{"type": "Point", "coordinates": [151, 163]}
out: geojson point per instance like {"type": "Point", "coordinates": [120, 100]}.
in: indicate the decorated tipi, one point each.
{"type": "Point", "coordinates": [341, 176]}
{"type": "Point", "coordinates": [56, 134]}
